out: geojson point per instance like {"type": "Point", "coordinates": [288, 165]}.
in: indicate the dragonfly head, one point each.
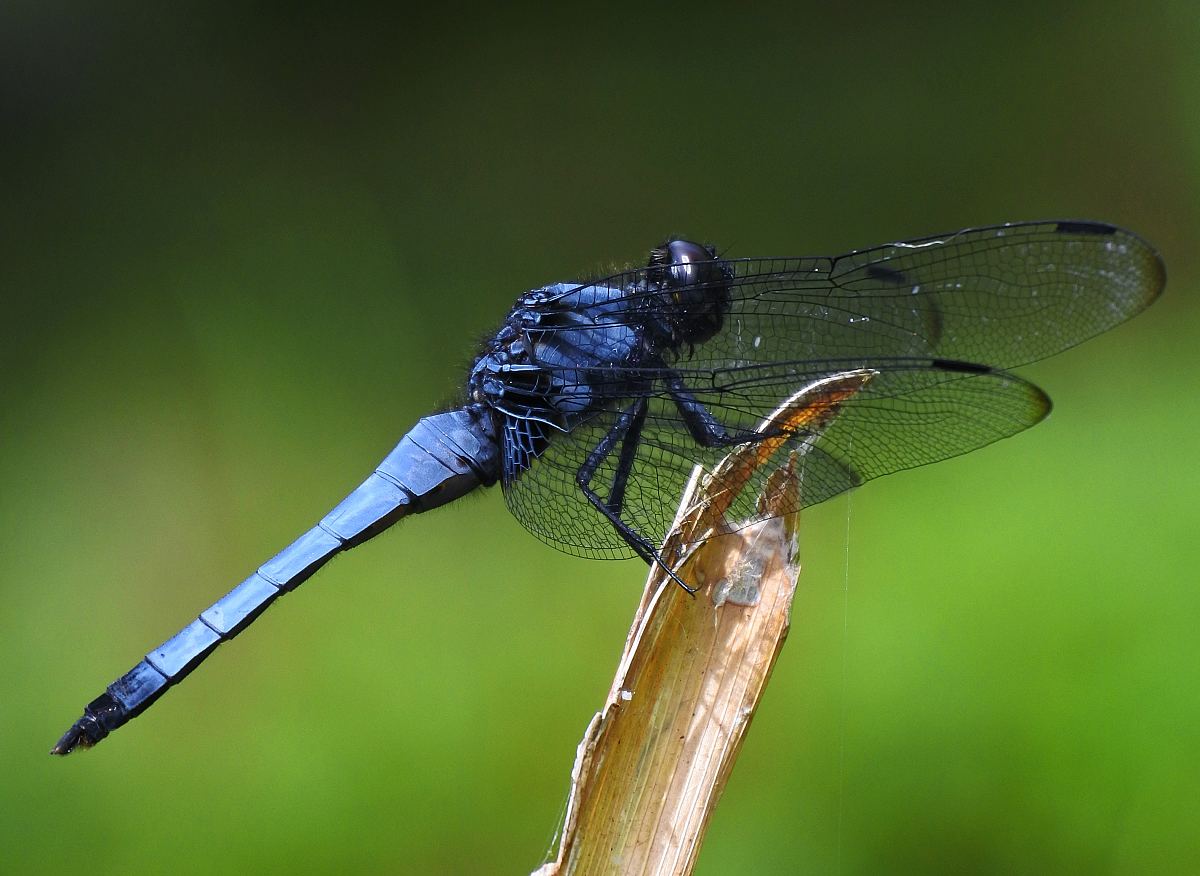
{"type": "Point", "coordinates": [694, 285]}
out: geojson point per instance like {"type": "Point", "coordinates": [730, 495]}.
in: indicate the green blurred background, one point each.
{"type": "Point", "coordinates": [244, 248]}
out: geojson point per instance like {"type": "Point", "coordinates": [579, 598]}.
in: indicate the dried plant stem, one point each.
{"type": "Point", "coordinates": [654, 762]}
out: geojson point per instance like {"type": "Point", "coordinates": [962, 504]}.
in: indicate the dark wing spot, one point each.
{"type": "Point", "coordinates": [885, 274]}
{"type": "Point", "coordinates": [955, 365]}
{"type": "Point", "coordinates": [1085, 228]}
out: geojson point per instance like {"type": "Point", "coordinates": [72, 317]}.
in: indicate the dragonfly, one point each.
{"type": "Point", "coordinates": [594, 401]}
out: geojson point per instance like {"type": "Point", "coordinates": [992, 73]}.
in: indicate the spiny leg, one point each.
{"type": "Point", "coordinates": [705, 429]}
{"type": "Point", "coordinates": [629, 446]}
{"type": "Point", "coordinates": [587, 471]}
{"type": "Point", "coordinates": [622, 428]}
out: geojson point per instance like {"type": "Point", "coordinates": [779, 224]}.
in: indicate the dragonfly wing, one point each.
{"type": "Point", "coordinates": [910, 413]}
{"type": "Point", "coordinates": [541, 490]}
{"type": "Point", "coordinates": [1004, 295]}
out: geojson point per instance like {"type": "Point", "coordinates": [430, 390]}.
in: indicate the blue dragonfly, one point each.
{"type": "Point", "coordinates": [594, 400]}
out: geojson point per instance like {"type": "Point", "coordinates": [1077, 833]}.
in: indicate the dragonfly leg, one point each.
{"type": "Point", "coordinates": [629, 446]}
{"type": "Point", "coordinates": [705, 429]}
{"type": "Point", "coordinates": [628, 429]}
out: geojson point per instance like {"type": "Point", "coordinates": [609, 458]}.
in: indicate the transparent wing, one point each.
{"type": "Point", "coordinates": [1003, 295]}
{"type": "Point", "coordinates": [910, 413]}
{"type": "Point", "coordinates": [544, 496]}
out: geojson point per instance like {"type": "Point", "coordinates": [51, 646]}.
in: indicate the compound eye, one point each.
{"type": "Point", "coordinates": [691, 263]}
{"type": "Point", "coordinates": [685, 255]}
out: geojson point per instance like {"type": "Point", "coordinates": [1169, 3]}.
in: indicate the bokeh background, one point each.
{"type": "Point", "coordinates": [245, 247]}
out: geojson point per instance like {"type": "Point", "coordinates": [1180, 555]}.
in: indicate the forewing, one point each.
{"type": "Point", "coordinates": [1002, 296]}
